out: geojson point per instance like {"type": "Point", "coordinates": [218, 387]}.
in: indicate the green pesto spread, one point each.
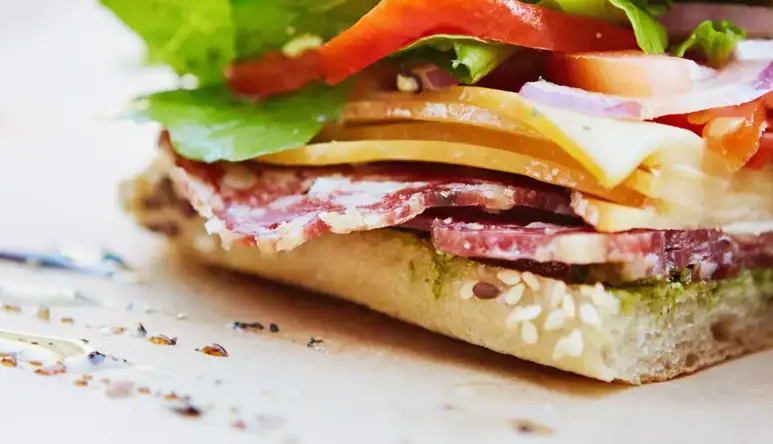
{"type": "Point", "coordinates": [662, 297]}
{"type": "Point", "coordinates": [657, 296]}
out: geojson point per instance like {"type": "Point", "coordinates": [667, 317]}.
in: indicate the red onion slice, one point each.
{"type": "Point", "coordinates": [740, 82]}
{"type": "Point", "coordinates": [684, 17]}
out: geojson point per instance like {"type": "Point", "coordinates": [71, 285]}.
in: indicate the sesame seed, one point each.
{"type": "Point", "coordinates": [588, 314]}
{"type": "Point", "coordinates": [8, 361]}
{"type": "Point", "coordinates": [604, 300]}
{"type": "Point", "coordinates": [526, 313]}
{"type": "Point", "coordinates": [513, 319]}
{"type": "Point", "coordinates": [575, 343]}
{"type": "Point", "coordinates": [557, 293]}
{"type": "Point", "coordinates": [514, 294]}
{"type": "Point", "coordinates": [509, 277]}
{"type": "Point", "coordinates": [570, 345]}
{"type": "Point", "coordinates": [529, 333]}
{"type": "Point", "coordinates": [408, 83]}
{"type": "Point", "coordinates": [43, 313]}
{"type": "Point", "coordinates": [586, 291]}
{"type": "Point", "coordinates": [530, 280]}
{"type": "Point", "coordinates": [466, 291]}
{"type": "Point", "coordinates": [568, 305]}
{"type": "Point", "coordinates": [598, 295]}
{"type": "Point", "coordinates": [555, 320]}
{"type": "Point", "coordinates": [213, 350]}
{"type": "Point", "coordinates": [162, 340]}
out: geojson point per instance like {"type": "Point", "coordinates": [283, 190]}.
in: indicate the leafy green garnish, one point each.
{"type": "Point", "coordinates": [469, 59]}
{"type": "Point", "coordinates": [714, 39]}
{"type": "Point", "coordinates": [265, 25]}
{"type": "Point", "coordinates": [201, 37]}
{"type": "Point", "coordinates": [211, 124]}
{"type": "Point", "coordinates": [191, 36]}
{"type": "Point", "coordinates": [641, 14]}
{"type": "Point", "coordinates": [650, 34]}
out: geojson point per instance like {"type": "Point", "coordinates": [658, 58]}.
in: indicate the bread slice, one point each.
{"type": "Point", "coordinates": [638, 334]}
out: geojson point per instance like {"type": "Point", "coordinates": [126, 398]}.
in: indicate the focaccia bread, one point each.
{"type": "Point", "coordinates": [635, 333]}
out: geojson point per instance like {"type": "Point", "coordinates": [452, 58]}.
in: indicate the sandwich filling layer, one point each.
{"type": "Point", "coordinates": [635, 331]}
{"type": "Point", "coordinates": [497, 219]}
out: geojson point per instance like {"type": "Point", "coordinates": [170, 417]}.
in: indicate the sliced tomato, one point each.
{"type": "Point", "coordinates": [623, 73]}
{"type": "Point", "coordinates": [395, 24]}
{"type": "Point", "coordinates": [764, 155]}
{"type": "Point", "coordinates": [681, 121]}
{"type": "Point", "coordinates": [733, 131]}
{"type": "Point", "coordinates": [274, 73]}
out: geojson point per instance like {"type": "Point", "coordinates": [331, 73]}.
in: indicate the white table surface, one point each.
{"type": "Point", "coordinates": [65, 66]}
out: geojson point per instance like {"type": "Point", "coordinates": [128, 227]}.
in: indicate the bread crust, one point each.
{"type": "Point", "coordinates": [576, 328]}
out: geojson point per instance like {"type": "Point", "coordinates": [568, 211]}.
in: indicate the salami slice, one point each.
{"type": "Point", "coordinates": [711, 253]}
{"type": "Point", "coordinates": [279, 208]}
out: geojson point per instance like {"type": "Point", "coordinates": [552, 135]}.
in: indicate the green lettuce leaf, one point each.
{"type": "Point", "coordinates": [650, 34]}
{"type": "Point", "coordinates": [467, 58]}
{"type": "Point", "coordinates": [641, 14]}
{"type": "Point", "coordinates": [201, 37]}
{"type": "Point", "coordinates": [265, 25]}
{"type": "Point", "coordinates": [211, 124]}
{"type": "Point", "coordinates": [714, 39]}
{"type": "Point", "coordinates": [191, 36]}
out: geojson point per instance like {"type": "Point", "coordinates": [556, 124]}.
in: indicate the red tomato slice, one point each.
{"type": "Point", "coordinates": [681, 121]}
{"type": "Point", "coordinates": [274, 73]}
{"type": "Point", "coordinates": [395, 24]}
{"type": "Point", "coordinates": [764, 154]}
{"type": "Point", "coordinates": [733, 131]}
{"type": "Point", "coordinates": [628, 73]}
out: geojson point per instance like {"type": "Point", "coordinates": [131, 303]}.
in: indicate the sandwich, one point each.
{"type": "Point", "coordinates": [583, 185]}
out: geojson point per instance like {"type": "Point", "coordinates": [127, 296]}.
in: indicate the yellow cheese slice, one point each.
{"type": "Point", "coordinates": [661, 183]}
{"type": "Point", "coordinates": [611, 217]}
{"type": "Point", "coordinates": [362, 151]}
{"type": "Point", "coordinates": [610, 149]}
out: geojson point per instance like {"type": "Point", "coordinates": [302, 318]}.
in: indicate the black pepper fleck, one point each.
{"type": "Point", "coordinates": [313, 342]}
{"type": "Point", "coordinates": [247, 326]}
{"type": "Point", "coordinates": [96, 358]}
{"type": "Point", "coordinates": [528, 427]}
{"type": "Point", "coordinates": [274, 328]}
{"type": "Point", "coordinates": [188, 410]}
{"type": "Point", "coordinates": [141, 330]}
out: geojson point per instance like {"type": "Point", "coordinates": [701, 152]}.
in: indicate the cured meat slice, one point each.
{"type": "Point", "coordinates": [280, 208]}
{"type": "Point", "coordinates": [543, 242]}
{"type": "Point", "coordinates": [644, 253]}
